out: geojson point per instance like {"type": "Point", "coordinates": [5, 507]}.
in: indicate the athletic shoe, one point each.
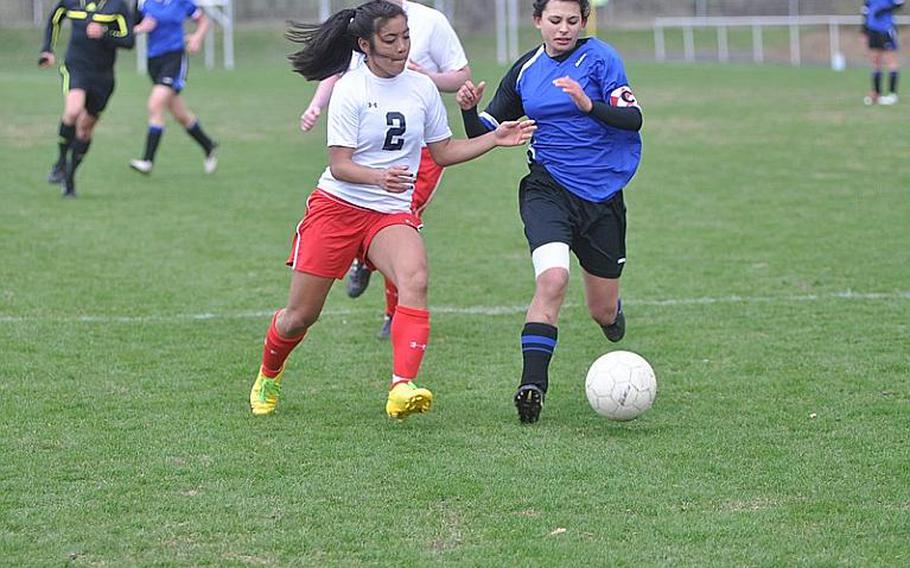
{"type": "Point", "coordinates": [386, 330]}
{"type": "Point", "coordinates": [405, 399]}
{"type": "Point", "coordinates": [142, 166]}
{"type": "Point", "coordinates": [264, 394]}
{"type": "Point", "coordinates": [529, 401]}
{"type": "Point", "coordinates": [616, 330]}
{"type": "Point", "coordinates": [888, 100]}
{"type": "Point", "coordinates": [69, 186]}
{"type": "Point", "coordinates": [870, 99]}
{"type": "Point", "coordinates": [57, 175]}
{"type": "Point", "coordinates": [358, 279]}
{"type": "Point", "coordinates": [210, 164]}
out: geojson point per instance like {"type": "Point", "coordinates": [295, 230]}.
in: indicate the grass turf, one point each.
{"type": "Point", "coordinates": [767, 284]}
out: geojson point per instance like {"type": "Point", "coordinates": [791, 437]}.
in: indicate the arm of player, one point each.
{"type": "Point", "coordinates": [395, 179]}
{"type": "Point", "coordinates": [449, 152]}
{"type": "Point", "coordinates": [51, 35]}
{"type": "Point", "coordinates": [468, 97]}
{"type": "Point", "coordinates": [622, 112]}
{"type": "Point", "coordinates": [446, 81]}
{"type": "Point", "coordinates": [320, 100]}
{"type": "Point", "coordinates": [145, 25]}
{"type": "Point", "coordinates": [194, 40]}
{"type": "Point", "coordinates": [117, 32]}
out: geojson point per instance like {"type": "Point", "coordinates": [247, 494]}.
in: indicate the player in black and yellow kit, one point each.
{"type": "Point", "coordinates": [99, 27]}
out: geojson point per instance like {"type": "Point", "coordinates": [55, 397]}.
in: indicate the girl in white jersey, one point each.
{"type": "Point", "coordinates": [379, 116]}
{"type": "Point", "coordinates": [436, 52]}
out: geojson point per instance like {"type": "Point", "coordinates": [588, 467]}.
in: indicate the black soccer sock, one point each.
{"type": "Point", "coordinates": [877, 82]}
{"type": "Point", "coordinates": [67, 133]}
{"type": "Point", "coordinates": [199, 136]}
{"type": "Point", "coordinates": [892, 82]}
{"type": "Point", "coordinates": [538, 341]}
{"type": "Point", "coordinates": [79, 149]}
{"type": "Point", "coordinates": [151, 142]}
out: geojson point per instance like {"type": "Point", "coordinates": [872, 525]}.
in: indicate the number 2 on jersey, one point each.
{"type": "Point", "coordinates": [394, 137]}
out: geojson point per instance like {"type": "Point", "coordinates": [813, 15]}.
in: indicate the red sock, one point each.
{"type": "Point", "coordinates": [276, 350]}
{"type": "Point", "coordinates": [391, 297]}
{"type": "Point", "coordinates": [410, 335]}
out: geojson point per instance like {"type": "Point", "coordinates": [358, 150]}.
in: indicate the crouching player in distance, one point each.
{"type": "Point", "coordinates": [167, 65]}
{"type": "Point", "coordinates": [379, 117]}
{"type": "Point", "coordinates": [881, 34]}
{"type": "Point", "coordinates": [436, 52]}
{"type": "Point", "coordinates": [585, 152]}
{"type": "Point", "coordinates": [98, 29]}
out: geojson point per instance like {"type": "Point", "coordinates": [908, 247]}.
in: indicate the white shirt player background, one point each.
{"type": "Point", "coordinates": [434, 44]}
{"type": "Point", "coordinates": [385, 121]}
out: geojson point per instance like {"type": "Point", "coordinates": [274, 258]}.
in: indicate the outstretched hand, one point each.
{"type": "Point", "coordinates": [469, 95]}
{"type": "Point", "coordinates": [514, 132]}
{"type": "Point", "coordinates": [571, 87]}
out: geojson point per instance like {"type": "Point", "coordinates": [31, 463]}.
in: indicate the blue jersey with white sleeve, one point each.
{"type": "Point", "coordinates": [879, 14]}
{"type": "Point", "coordinates": [167, 36]}
{"type": "Point", "coordinates": [589, 158]}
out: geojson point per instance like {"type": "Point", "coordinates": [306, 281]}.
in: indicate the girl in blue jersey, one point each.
{"type": "Point", "coordinates": [585, 151]}
{"type": "Point", "coordinates": [163, 21]}
{"type": "Point", "coordinates": [878, 25]}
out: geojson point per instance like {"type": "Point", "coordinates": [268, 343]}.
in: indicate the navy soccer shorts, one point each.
{"type": "Point", "coordinates": [169, 69]}
{"type": "Point", "coordinates": [886, 41]}
{"type": "Point", "coordinates": [98, 87]}
{"type": "Point", "coordinates": [595, 232]}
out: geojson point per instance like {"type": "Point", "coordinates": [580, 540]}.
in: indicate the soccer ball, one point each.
{"type": "Point", "coordinates": [621, 385]}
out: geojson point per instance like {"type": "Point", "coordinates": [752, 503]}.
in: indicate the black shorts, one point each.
{"type": "Point", "coordinates": [169, 69]}
{"type": "Point", "coordinates": [595, 232]}
{"type": "Point", "coordinates": [886, 41]}
{"type": "Point", "coordinates": [98, 87]}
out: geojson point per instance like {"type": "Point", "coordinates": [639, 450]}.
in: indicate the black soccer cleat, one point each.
{"type": "Point", "coordinates": [358, 279]}
{"type": "Point", "coordinates": [69, 186]}
{"type": "Point", "coordinates": [57, 175]}
{"type": "Point", "coordinates": [385, 331]}
{"type": "Point", "coordinates": [616, 330]}
{"type": "Point", "coordinates": [529, 401]}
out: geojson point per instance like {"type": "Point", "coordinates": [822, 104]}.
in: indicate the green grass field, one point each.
{"type": "Point", "coordinates": [768, 283]}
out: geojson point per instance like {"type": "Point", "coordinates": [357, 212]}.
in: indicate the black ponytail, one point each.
{"type": "Point", "coordinates": [327, 48]}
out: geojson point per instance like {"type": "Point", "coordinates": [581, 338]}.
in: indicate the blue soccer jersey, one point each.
{"type": "Point", "coordinates": [167, 36]}
{"type": "Point", "coordinates": [879, 14]}
{"type": "Point", "coordinates": [589, 158]}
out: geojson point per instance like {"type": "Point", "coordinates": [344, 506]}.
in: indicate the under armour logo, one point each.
{"type": "Point", "coordinates": [372, 105]}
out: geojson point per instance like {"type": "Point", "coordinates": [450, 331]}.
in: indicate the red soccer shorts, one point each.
{"type": "Point", "coordinates": [428, 176]}
{"type": "Point", "coordinates": [334, 232]}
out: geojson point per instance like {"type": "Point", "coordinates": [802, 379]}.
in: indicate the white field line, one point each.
{"type": "Point", "coordinates": [463, 310]}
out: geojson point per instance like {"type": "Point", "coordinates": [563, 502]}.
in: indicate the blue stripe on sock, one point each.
{"type": "Point", "coordinates": [541, 349]}
{"type": "Point", "coordinates": [155, 128]}
{"type": "Point", "coordinates": [539, 339]}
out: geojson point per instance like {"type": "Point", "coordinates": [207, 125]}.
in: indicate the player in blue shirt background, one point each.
{"type": "Point", "coordinates": [585, 151]}
{"type": "Point", "coordinates": [878, 25]}
{"type": "Point", "coordinates": [163, 21]}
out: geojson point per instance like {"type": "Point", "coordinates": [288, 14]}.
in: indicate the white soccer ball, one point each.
{"type": "Point", "coordinates": [621, 385]}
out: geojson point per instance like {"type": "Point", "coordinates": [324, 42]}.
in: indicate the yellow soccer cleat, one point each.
{"type": "Point", "coordinates": [264, 394]}
{"type": "Point", "coordinates": [406, 399]}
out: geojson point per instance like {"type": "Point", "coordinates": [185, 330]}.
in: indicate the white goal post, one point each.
{"type": "Point", "coordinates": [221, 13]}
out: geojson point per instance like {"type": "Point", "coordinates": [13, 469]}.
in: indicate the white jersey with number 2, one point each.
{"type": "Point", "coordinates": [385, 121]}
